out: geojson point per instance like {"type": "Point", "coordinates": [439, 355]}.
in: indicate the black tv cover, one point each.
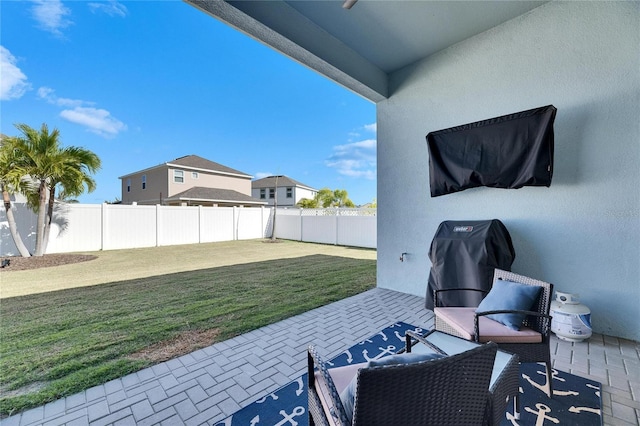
{"type": "Point", "coordinates": [511, 151]}
{"type": "Point", "coordinates": [465, 254]}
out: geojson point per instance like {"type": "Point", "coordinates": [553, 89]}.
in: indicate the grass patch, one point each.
{"type": "Point", "coordinates": [59, 343]}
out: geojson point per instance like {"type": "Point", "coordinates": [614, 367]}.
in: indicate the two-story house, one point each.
{"type": "Point", "coordinates": [189, 181]}
{"type": "Point", "coordinates": [287, 191]}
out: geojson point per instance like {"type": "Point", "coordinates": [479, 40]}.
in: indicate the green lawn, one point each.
{"type": "Point", "coordinates": [57, 343]}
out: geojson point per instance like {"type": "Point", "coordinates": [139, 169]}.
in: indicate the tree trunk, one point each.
{"type": "Point", "coordinates": [42, 214]}
{"type": "Point", "coordinates": [275, 208]}
{"type": "Point", "coordinates": [13, 228]}
{"type": "Point", "coordinates": [48, 218]}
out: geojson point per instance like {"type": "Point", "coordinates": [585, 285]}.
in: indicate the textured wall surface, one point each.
{"type": "Point", "coordinates": [582, 233]}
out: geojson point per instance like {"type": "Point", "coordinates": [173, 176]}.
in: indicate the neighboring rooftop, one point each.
{"type": "Point", "coordinates": [215, 195]}
{"type": "Point", "coordinates": [270, 182]}
{"type": "Point", "coordinates": [196, 162]}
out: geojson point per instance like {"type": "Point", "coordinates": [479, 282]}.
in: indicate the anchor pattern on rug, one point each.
{"type": "Point", "coordinates": [576, 401]}
{"type": "Point", "coordinates": [573, 403]}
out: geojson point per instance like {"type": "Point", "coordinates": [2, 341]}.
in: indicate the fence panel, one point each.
{"type": "Point", "coordinates": [178, 225]}
{"type": "Point", "coordinates": [216, 224]}
{"type": "Point", "coordinates": [357, 231]}
{"type": "Point", "coordinates": [289, 224]}
{"type": "Point", "coordinates": [319, 229]}
{"type": "Point", "coordinates": [76, 228]}
{"type": "Point", "coordinates": [249, 223]}
{"type": "Point", "coordinates": [128, 226]}
{"type": "Point", "coordinates": [26, 224]}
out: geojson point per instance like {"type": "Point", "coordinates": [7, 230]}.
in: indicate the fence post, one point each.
{"type": "Point", "coordinates": [263, 223]}
{"type": "Point", "coordinates": [337, 224]}
{"type": "Point", "coordinates": [235, 223]}
{"type": "Point", "coordinates": [157, 225]}
{"type": "Point", "coordinates": [199, 224]}
{"type": "Point", "coordinates": [301, 227]}
{"type": "Point", "coordinates": [103, 225]}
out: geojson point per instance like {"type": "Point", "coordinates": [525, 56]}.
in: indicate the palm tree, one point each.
{"type": "Point", "coordinates": [52, 166]}
{"type": "Point", "coordinates": [327, 198]}
{"type": "Point", "coordinates": [341, 198]}
{"type": "Point", "coordinates": [308, 203]}
{"type": "Point", "coordinates": [10, 183]}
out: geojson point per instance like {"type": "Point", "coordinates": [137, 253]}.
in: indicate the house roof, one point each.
{"type": "Point", "coordinates": [360, 47]}
{"type": "Point", "coordinates": [194, 162]}
{"type": "Point", "coordinates": [214, 195]}
{"type": "Point", "coordinates": [270, 182]}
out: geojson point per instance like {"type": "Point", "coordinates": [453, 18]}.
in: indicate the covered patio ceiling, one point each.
{"type": "Point", "coordinates": [361, 46]}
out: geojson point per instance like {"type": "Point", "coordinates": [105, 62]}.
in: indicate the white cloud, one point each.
{"type": "Point", "coordinates": [48, 94]}
{"type": "Point", "coordinates": [51, 15]}
{"type": "Point", "coordinates": [13, 83]}
{"type": "Point", "coordinates": [98, 121]}
{"type": "Point", "coordinates": [81, 112]}
{"type": "Point", "coordinates": [356, 159]}
{"type": "Point", "coordinates": [371, 127]}
{"type": "Point", "coordinates": [111, 8]}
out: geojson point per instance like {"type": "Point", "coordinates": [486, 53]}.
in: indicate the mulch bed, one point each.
{"type": "Point", "coordinates": [17, 263]}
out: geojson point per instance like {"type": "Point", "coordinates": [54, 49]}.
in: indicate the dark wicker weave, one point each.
{"type": "Point", "coordinates": [505, 387]}
{"type": "Point", "coordinates": [537, 319]}
{"type": "Point", "coordinates": [449, 391]}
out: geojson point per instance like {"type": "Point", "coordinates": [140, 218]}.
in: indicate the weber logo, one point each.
{"type": "Point", "coordinates": [462, 228]}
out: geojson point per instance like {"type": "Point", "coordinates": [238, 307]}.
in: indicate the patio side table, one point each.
{"type": "Point", "coordinates": [504, 382]}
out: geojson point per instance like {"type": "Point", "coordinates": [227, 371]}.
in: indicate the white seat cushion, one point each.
{"type": "Point", "coordinates": [461, 320]}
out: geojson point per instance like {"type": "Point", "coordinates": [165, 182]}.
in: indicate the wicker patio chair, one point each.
{"type": "Point", "coordinates": [531, 343]}
{"type": "Point", "coordinates": [503, 389]}
{"type": "Point", "coordinates": [453, 390]}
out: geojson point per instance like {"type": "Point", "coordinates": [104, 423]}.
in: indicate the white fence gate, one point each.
{"type": "Point", "coordinates": [93, 227]}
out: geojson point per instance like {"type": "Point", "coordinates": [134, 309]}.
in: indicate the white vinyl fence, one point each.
{"type": "Point", "coordinates": [93, 227]}
{"type": "Point", "coordinates": [339, 226]}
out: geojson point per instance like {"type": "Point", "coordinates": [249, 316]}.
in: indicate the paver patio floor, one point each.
{"type": "Point", "coordinates": [206, 386]}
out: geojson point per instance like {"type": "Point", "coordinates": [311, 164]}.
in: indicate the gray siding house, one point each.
{"type": "Point", "coordinates": [286, 191]}
{"type": "Point", "coordinates": [189, 181]}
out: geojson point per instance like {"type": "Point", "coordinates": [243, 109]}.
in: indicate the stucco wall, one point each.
{"type": "Point", "coordinates": [582, 233]}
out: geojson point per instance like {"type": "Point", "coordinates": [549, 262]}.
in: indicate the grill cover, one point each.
{"type": "Point", "coordinates": [511, 151]}
{"type": "Point", "coordinates": [464, 254]}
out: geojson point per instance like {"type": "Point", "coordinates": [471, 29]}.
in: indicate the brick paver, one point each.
{"type": "Point", "coordinates": [208, 385]}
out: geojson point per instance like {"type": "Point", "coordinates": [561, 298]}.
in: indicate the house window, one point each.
{"type": "Point", "coordinates": [128, 185]}
{"type": "Point", "coordinates": [272, 193]}
{"type": "Point", "coordinates": [194, 175]}
{"type": "Point", "coordinates": [144, 181]}
{"type": "Point", "coordinates": [289, 192]}
{"type": "Point", "coordinates": [263, 193]}
{"type": "Point", "coordinates": [178, 176]}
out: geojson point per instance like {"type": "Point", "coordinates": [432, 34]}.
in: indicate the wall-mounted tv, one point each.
{"type": "Point", "coordinates": [510, 151]}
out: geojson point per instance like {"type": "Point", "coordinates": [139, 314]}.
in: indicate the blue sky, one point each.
{"type": "Point", "coordinates": [144, 82]}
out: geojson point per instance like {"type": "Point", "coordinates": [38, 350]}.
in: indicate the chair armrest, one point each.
{"type": "Point", "coordinates": [437, 292]}
{"type": "Point", "coordinates": [409, 335]}
{"type": "Point", "coordinates": [476, 323]}
{"type": "Point", "coordinates": [315, 361]}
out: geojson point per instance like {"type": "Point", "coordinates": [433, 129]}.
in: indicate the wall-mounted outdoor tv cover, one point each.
{"type": "Point", "coordinates": [511, 151]}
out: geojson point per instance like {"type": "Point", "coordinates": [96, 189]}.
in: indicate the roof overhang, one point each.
{"type": "Point", "coordinates": [360, 47]}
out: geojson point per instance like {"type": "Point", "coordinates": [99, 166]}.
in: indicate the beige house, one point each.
{"type": "Point", "coordinates": [287, 190]}
{"type": "Point", "coordinates": [189, 181]}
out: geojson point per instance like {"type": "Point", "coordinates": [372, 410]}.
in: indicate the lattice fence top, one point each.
{"type": "Point", "coordinates": [331, 212]}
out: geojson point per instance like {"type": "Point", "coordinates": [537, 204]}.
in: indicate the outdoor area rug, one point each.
{"type": "Point", "coordinates": [576, 401]}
